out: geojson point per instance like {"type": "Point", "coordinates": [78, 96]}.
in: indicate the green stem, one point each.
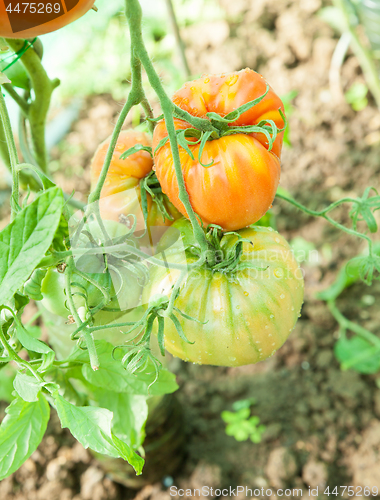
{"type": "Point", "coordinates": [148, 113]}
{"type": "Point", "coordinates": [73, 202]}
{"type": "Point", "coordinates": [14, 356]}
{"type": "Point", "coordinates": [346, 324]}
{"type": "Point", "coordinates": [323, 213]}
{"type": "Point", "coordinates": [134, 16]}
{"type": "Point", "coordinates": [87, 335]}
{"type": "Point", "coordinates": [23, 140]}
{"type": "Point", "coordinates": [43, 88]}
{"type": "Point", "coordinates": [4, 151]}
{"type": "Point", "coordinates": [135, 97]}
{"type": "Point", "coordinates": [364, 56]}
{"type": "Point", "coordinates": [104, 327]}
{"type": "Point", "coordinates": [95, 194]}
{"type": "Point", "coordinates": [13, 157]}
{"type": "Point", "coordinates": [22, 104]}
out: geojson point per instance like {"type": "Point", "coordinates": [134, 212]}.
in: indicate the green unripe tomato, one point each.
{"type": "Point", "coordinates": [242, 316]}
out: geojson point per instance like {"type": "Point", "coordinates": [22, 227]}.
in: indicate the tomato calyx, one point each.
{"type": "Point", "coordinates": [222, 257]}
{"type": "Point", "coordinates": [160, 307]}
{"type": "Point", "coordinates": [150, 185]}
{"type": "Point", "coordinates": [222, 126]}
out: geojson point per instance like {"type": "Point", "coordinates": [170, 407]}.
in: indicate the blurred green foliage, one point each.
{"type": "Point", "coordinates": [357, 96]}
{"type": "Point", "coordinates": [91, 55]}
{"type": "Point", "coordinates": [289, 109]}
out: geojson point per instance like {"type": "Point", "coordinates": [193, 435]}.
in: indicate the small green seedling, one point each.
{"type": "Point", "coordinates": [240, 424]}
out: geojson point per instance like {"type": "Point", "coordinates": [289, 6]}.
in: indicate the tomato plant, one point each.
{"type": "Point", "coordinates": [121, 193]}
{"type": "Point", "coordinates": [214, 296]}
{"type": "Point", "coordinates": [31, 19]}
{"type": "Point", "coordinates": [242, 315]}
{"type": "Point", "coordinates": [232, 179]}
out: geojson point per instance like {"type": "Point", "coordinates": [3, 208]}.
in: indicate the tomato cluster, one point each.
{"type": "Point", "coordinates": [240, 305]}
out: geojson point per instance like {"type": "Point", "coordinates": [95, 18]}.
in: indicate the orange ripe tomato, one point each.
{"type": "Point", "coordinates": [240, 185]}
{"type": "Point", "coordinates": [120, 194]}
{"type": "Point", "coordinates": [30, 19]}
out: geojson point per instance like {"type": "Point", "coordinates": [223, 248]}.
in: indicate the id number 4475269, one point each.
{"type": "Point", "coordinates": [34, 8]}
{"type": "Point", "coordinates": [357, 491]}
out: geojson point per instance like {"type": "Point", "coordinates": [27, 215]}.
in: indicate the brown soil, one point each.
{"type": "Point", "coordinates": [323, 425]}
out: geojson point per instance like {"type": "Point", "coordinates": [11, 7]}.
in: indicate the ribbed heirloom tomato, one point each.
{"type": "Point", "coordinates": [242, 317]}
{"type": "Point", "coordinates": [121, 192]}
{"type": "Point", "coordinates": [20, 19]}
{"type": "Point", "coordinates": [240, 185]}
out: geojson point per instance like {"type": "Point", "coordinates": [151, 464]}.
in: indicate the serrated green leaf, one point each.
{"type": "Point", "coordinates": [30, 343]}
{"type": "Point", "coordinates": [27, 387]}
{"type": "Point", "coordinates": [129, 415]}
{"type": "Point", "coordinates": [26, 239]}
{"type": "Point", "coordinates": [21, 432]}
{"type": "Point", "coordinates": [92, 428]}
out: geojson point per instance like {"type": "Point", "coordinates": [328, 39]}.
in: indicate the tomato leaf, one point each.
{"type": "Point", "coordinates": [358, 353]}
{"type": "Point", "coordinates": [165, 383]}
{"type": "Point", "coordinates": [21, 432]}
{"type": "Point", "coordinates": [26, 239]}
{"type": "Point", "coordinates": [32, 287]}
{"type": "Point", "coordinates": [27, 387]}
{"type": "Point", "coordinates": [30, 343]}
{"type": "Point", "coordinates": [129, 414]}
{"type": "Point", "coordinates": [112, 374]}
{"type": "Point", "coordinates": [92, 428]}
{"type": "Point", "coordinates": [45, 181]}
